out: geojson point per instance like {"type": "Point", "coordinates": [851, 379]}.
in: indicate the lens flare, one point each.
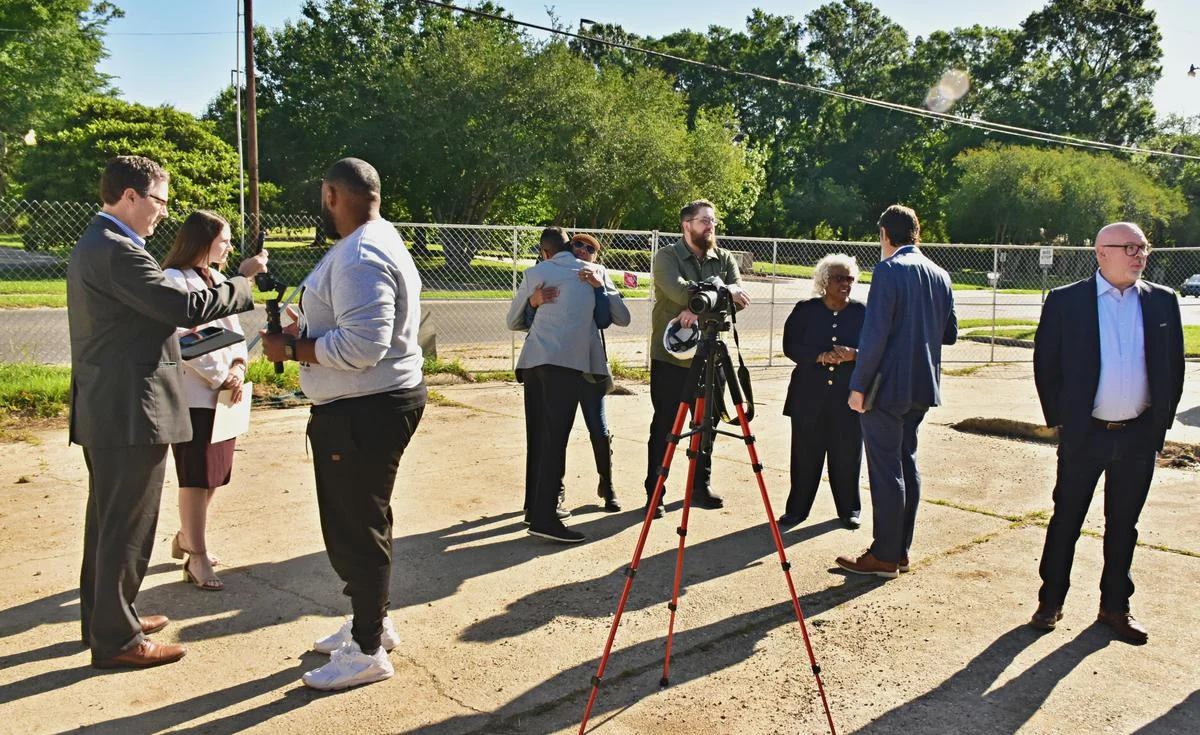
{"type": "Point", "coordinates": [949, 89]}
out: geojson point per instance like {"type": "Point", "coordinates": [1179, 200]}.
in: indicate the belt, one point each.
{"type": "Point", "coordinates": [1116, 425]}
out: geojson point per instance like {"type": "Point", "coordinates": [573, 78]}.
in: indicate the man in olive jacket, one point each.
{"type": "Point", "coordinates": [127, 399]}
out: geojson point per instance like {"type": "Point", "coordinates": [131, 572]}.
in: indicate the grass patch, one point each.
{"type": "Point", "coordinates": [434, 366]}
{"type": "Point", "coordinates": [28, 390]}
{"type": "Point", "coordinates": [619, 370]}
{"type": "Point", "coordinates": [267, 382]}
{"type": "Point", "coordinates": [974, 323]}
{"type": "Point", "coordinates": [1191, 340]}
{"type": "Point", "coordinates": [493, 376]}
{"type": "Point", "coordinates": [964, 371]}
{"type": "Point", "coordinates": [1007, 332]}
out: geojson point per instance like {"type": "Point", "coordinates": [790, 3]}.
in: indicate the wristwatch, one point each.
{"type": "Point", "coordinates": [289, 349]}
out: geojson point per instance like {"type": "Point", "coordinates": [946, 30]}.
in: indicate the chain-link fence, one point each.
{"type": "Point", "coordinates": [470, 272]}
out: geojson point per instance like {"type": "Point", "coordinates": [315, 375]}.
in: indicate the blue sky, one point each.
{"type": "Point", "coordinates": [181, 52]}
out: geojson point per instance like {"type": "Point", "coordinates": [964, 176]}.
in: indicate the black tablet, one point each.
{"type": "Point", "coordinates": [207, 340]}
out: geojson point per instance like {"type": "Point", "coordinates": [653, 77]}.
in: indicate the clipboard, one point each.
{"type": "Point", "coordinates": [231, 419]}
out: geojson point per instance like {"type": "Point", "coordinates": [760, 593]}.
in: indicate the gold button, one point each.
{"type": "Point", "coordinates": [835, 339]}
{"type": "Point", "coordinates": [829, 382]}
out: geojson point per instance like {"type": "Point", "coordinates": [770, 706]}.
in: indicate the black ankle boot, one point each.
{"type": "Point", "coordinates": [602, 450]}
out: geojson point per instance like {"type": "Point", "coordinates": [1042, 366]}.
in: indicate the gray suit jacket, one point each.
{"type": "Point", "coordinates": [564, 332]}
{"type": "Point", "coordinates": [126, 372]}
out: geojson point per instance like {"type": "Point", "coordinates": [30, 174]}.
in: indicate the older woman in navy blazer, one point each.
{"type": "Point", "coordinates": [821, 337]}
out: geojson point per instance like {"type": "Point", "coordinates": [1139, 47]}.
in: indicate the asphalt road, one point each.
{"type": "Point", "coordinates": [40, 335]}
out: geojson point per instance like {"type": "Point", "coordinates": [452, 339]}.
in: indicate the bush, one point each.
{"type": "Point", "coordinates": [627, 260]}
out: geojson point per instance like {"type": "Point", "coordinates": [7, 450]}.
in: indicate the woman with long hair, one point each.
{"type": "Point", "coordinates": [194, 263]}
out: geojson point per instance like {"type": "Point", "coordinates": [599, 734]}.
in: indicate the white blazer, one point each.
{"type": "Point", "coordinates": [203, 375]}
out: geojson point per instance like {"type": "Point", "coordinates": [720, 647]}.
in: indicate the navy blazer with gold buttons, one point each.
{"type": "Point", "coordinates": [813, 328]}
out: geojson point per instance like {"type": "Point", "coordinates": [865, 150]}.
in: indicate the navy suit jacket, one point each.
{"type": "Point", "coordinates": [910, 315]}
{"type": "Point", "coordinates": [1066, 357]}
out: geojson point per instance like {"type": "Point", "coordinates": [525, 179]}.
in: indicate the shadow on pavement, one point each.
{"type": "Point", "coordinates": [966, 702]}
{"type": "Point", "coordinates": [597, 597]}
{"type": "Point", "coordinates": [633, 673]}
{"type": "Point", "coordinates": [1179, 720]}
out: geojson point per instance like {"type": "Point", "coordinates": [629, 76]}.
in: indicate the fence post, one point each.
{"type": "Point", "coordinates": [771, 317]}
{"type": "Point", "coordinates": [995, 288]}
{"type": "Point", "coordinates": [515, 245]}
{"type": "Point", "coordinates": [650, 321]}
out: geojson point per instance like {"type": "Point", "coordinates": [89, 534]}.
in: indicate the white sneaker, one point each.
{"type": "Point", "coordinates": [350, 667]}
{"type": "Point", "coordinates": [388, 640]}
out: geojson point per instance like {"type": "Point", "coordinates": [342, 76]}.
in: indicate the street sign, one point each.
{"type": "Point", "coordinates": [1046, 256]}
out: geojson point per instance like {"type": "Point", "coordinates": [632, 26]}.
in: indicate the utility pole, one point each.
{"type": "Point", "coordinates": [251, 128]}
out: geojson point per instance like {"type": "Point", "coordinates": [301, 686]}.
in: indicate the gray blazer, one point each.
{"type": "Point", "coordinates": [126, 373]}
{"type": "Point", "coordinates": [564, 332]}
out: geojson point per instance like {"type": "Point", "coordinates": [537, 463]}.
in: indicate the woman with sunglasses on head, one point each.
{"type": "Point", "coordinates": [203, 242]}
{"type": "Point", "coordinates": [821, 336]}
{"type": "Point", "coordinates": [610, 309]}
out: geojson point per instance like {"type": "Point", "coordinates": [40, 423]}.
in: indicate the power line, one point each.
{"type": "Point", "coordinates": [977, 123]}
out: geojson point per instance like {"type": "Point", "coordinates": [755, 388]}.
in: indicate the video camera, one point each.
{"type": "Point", "coordinates": [709, 299]}
{"type": "Point", "coordinates": [265, 281]}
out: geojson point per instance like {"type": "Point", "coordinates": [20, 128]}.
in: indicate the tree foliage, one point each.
{"type": "Point", "coordinates": [48, 55]}
{"type": "Point", "coordinates": [67, 162]}
{"type": "Point", "coordinates": [1009, 193]}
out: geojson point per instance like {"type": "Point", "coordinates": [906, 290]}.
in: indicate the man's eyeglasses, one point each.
{"type": "Point", "coordinates": [589, 248]}
{"type": "Point", "coordinates": [1133, 248]}
{"type": "Point", "coordinates": [161, 202]}
{"type": "Point", "coordinates": [706, 220]}
{"type": "Point", "coordinates": [839, 278]}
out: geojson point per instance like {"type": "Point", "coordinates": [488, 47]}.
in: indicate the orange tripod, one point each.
{"type": "Point", "coordinates": [711, 352]}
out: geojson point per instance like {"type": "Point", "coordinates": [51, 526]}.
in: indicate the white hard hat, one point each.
{"type": "Point", "coordinates": [679, 340]}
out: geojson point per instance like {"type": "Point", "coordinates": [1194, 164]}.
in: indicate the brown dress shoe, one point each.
{"type": "Point", "coordinates": [150, 624]}
{"type": "Point", "coordinates": [145, 654]}
{"type": "Point", "coordinates": [1125, 625]}
{"type": "Point", "coordinates": [1046, 617]}
{"type": "Point", "coordinates": [153, 623]}
{"type": "Point", "coordinates": [868, 564]}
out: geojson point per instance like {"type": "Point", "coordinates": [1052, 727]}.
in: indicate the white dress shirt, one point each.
{"type": "Point", "coordinates": [1124, 390]}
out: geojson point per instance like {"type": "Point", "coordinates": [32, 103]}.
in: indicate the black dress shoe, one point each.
{"type": "Point", "coordinates": [611, 505]}
{"type": "Point", "coordinates": [787, 520]}
{"type": "Point", "coordinates": [707, 500]}
{"type": "Point", "coordinates": [559, 533]}
{"type": "Point", "coordinates": [1046, 617]}
{"type": "Point", "coordinates": [852, 522]}
{"type": "Point", "coordinates": [658, 509]}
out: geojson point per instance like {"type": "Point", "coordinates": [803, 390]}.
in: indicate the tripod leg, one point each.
{"type": "Point", "coordinates": [631, 571]}
{"type": "Point", "coordinates": [783, 560]}
{"type": "Point", "coordinates": [698, 425]}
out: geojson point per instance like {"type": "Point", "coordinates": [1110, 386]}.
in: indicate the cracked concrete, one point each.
{"type": "Point", "coordinates": [502, 633]}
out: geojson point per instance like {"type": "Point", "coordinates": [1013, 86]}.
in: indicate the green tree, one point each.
{"type": "Point", "coordinates": [1008, 193]}
{"type": "Point", "coordinates": [1085, 67]}
{"type": "Point", "coordinates": [1179, 135]}
{"type": "Point", "coordinates": [67, 162]}
{"type": "Point", "coordinates": [48, 55]}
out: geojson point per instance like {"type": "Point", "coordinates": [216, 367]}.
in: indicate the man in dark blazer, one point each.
{"type": "Point", "coordinates": [127, 399]}
{"type": "Point", "coordinates": [1108, 363]}
{"type": "Point", "coordinates": [910, 315]}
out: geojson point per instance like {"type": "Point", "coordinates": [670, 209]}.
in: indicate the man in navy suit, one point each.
{"type": "Point", "coordinates": [910, 315]}
{"type": "Point", "coordinates": [1108, 363]}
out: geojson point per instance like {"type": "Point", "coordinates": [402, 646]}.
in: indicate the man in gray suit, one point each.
{"type": "Point", "coordinates": [127, 399]}
{"type": "Point", "coordinates": [562, 346]}
{"type": "Point", "coordinates": [910, 315]}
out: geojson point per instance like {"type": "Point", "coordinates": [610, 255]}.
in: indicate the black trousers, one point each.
{"type": "Point", "coordinates": [834, 433]}
{"type": "Point", "coordinates": [1126, 459]}
{"type": "Point", "coordinates": [668, 388]}
{"type": "Point", "coordinates": [124, 489]}
{"type": "Point", "coordinates": [357, 444]}
{"type": "Point", "coordinates": [551, 399]}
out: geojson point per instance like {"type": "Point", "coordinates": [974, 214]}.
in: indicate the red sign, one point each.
{"type": "Point", "coordinates": [630, 280]}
